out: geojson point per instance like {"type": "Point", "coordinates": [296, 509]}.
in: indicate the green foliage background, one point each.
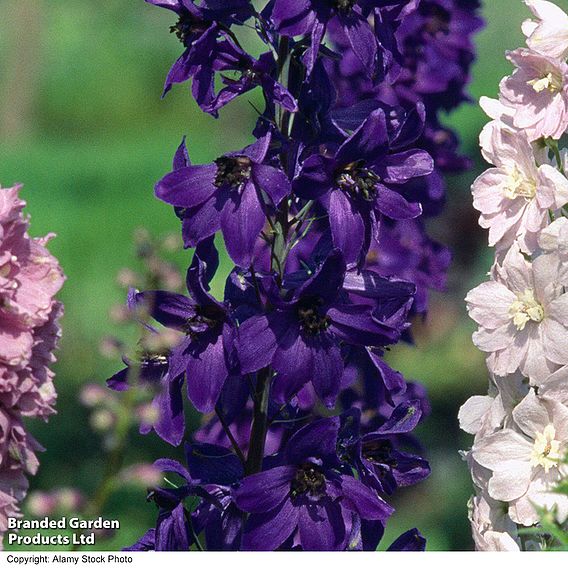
{"type": "Point", "coordinates": [83, 127]}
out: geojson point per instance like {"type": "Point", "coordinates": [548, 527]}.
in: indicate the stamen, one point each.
{"type": "Point", "coordinates": [549, 82]}
{"type": "Point", "coordinates": [233, 171]}
{"type": "Point", "coordinates": [526, 308]}
{"type": "Point", "coordinates": [308, 479]}
{"type": "Point", "coordinates": [519, 186]}
{"type": "Point", "coordinates": [358, 182]}
{"type": "Point", "coordinates": [311, 321]}
{"type": "Point", "coordinates": [546, 449]}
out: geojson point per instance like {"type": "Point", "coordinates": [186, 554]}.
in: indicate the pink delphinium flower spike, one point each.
{"type": "Point", "coordinates": [29, 331]}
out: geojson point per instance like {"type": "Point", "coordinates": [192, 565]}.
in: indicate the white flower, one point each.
{"type": "Point", "coordinates": [523, 317]}
{"type": "Point", "coordinates": [483, 415]}
{"type": "Point", "coordinates": [549, 34]}
{"type": "Point", "coordinates": [515, 197]}
{"type": "Point", "coordinates": [525, 462]}
{"type": "Point", "coordinates": [556, 386]}
{"type": "Point", "coordinates": [492, 529]}
{"type": "Point", "coordinates": [554, 240]}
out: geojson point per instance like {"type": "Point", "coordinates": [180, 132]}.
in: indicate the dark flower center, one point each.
{"type": "Point", "coordinates": [438, 20]}
{"type": "Point", "coordinates": [308, 479]}
{"type": "Point", "coordinates": [311, 320]}
{"type": "Point", "coordinates": [250, 76]}
{"type": "Point", "coordinates": [344, 6]}
{"type": "Point", "coordinates": [156, 359]}
{"type": "Point", "coordinates": [152, 366]}
{"type": "Point", "coordinates": [233, 171]}
{"type": "Point", "coordinates": [379, 452]}
{"type": "Point", "coordinates": [358, 182]}
{"type": "Point", "coordinates": [187, 27]}
{"type": "Point", "coordinates": [205, 318]}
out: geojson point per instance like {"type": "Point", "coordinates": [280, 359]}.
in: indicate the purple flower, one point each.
{"type": "Point", "coordinates": [206, 352]}
{"type": "Point", "coordinates": [410, 541]}
{"type": "Point", "coordinates": [228, 194]}
{"type": "Point", "coordinates": [156, 370]}
{"type": "Point", "coordinates": [438, 50]}
{"type": "Point", "coordinates": [354, 184]}
{"type": "Point", "coordinates": [309, 492]}
{"type": "Point", "coordinates": [375, 456]}
{"type": "Point", "coordinates": [406, 251]}
{"type": "Point", "coordinates": [310, 17]}
{"type": "Point", "coordinates": [301, 337]}
{"type": "Point", "coordinates": [250, 73]}
{"type": "Point", "coordinates": [209, 469]}
{"type": "Point", "coordinates": [198, 28]}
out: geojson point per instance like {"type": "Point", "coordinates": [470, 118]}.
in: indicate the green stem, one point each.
{"type": "Point", "coordinates": [280, 229]}
{"type": "Point", "coordinates": [553, 145]}
{"type": "Point", "coordinates": [229, 435]}
{"type": "Point", "coordinates": [259, 422]}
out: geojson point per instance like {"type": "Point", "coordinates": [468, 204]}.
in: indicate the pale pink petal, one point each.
{"type": "Point", "coordinates": [531, 415]}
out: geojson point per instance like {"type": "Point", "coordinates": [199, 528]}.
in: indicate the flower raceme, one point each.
{"type": "Point", "coordinates": [521, 427]}
{"type": "Point", "coordinates": [306, 430]}
{"type": "Point", "coordinates": [30, 277]}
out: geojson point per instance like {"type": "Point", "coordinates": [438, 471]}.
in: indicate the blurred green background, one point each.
{"type": "Point", "coordinates": [83, 127]}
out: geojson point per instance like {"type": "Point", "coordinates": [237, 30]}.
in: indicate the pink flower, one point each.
{"type": "Point", "coordinates": [492, 529]}
{"type": "Point", "coordinates": [522, 314]}
{"type": "Point", "coordinates": [514, 198]}
{"type": "Point", "coordinates": [29, 331]}
{"type": "Point", "coordinates": [29, 279]}
{"type": "Point", "coordinates": [13, 487]}
{"type": "Point", "coordinates": [484, 415]}
{"type": "Point", "coordinates": [525, 459]}
{"type": "Point", "coordinates": [547, 35]}
{"type": "Point", "coordinates": [538, 92]}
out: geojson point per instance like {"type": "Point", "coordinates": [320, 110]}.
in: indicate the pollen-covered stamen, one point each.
{"type": "Point", "coordinates": [546, 449]}
{"type": "Point", "coordinates": [358, 182]}
{"type": "Point", "coordinates": [205, 318]}
{"type": "Point", "coordinates": [233, 171]}
{"type": "Point", "coordinates": [187, 27]}
{"type": "Point", "coordinates": [151, 362]}
{"type": "Point", "coordinates": [344, 6]}
{"type": "Point", "coordinates": [308, 480]}
{"type": "Point", "coordinates": [311, 319]}
{"type": "Point", "coordinates": [379, 452]}
{"type": "Point", "coordinates": [550, 82]}
{"type": "Point", "coordinates": [155, 359]}
{"type": "Point", "coordinates": [517, 185]}
{"type": "Point", "coordinates": [250, 76]}
{"type": "Point", "coordinates": [526, 308]}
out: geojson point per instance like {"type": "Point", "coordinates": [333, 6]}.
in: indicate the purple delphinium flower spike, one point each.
{"type": "Point", "coordinates": [309, 492]}
{"type": "Point", "coordinates": [230, 194]}
{"type": "Point", "coordinates": [321, 217]}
